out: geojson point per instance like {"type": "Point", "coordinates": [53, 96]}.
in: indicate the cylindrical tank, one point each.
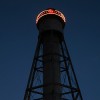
{"type": "Point", "coordinates": [50, 23]}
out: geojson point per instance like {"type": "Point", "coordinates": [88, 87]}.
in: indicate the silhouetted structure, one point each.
{"type": "Point", "coordinates": [52, 76]}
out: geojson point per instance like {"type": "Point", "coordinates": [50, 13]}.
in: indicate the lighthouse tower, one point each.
{"type": "Point", "coordinates": [52, 76]}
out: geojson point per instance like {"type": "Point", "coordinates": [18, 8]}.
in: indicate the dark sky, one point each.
{"type": "Point", "coordinates": [18, 38]}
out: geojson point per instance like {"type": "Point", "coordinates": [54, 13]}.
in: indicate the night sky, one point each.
{"type": "Point", "coordinates": [18, 39]}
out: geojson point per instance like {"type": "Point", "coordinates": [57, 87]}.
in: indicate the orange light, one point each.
{"type": "Point", "coordinates": [50, 11]}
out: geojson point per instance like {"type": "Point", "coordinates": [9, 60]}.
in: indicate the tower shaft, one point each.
{"type": "Point", "coordinates": [51, 66]}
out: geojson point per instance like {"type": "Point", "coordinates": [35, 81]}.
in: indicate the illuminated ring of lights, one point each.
{"type": "Point", "coordinates": [51, 12]}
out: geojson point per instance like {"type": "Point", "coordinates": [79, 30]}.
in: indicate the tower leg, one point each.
{"type": "Point", "coordinates": [72, 88]}
{"type": "Point", "coordinates": [29, 89]}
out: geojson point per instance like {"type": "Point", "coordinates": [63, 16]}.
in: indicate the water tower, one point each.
{"type": "Point", "coordinates": [52, 76]}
